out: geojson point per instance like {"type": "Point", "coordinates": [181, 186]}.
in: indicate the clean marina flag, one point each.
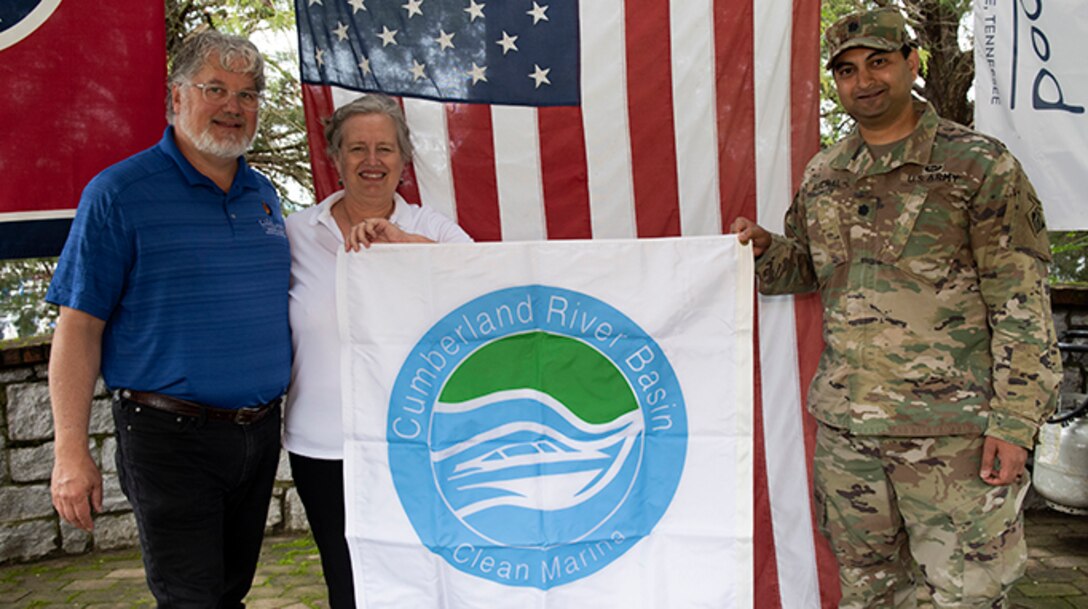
{"type": "Point", "coordinates": [571, 427]}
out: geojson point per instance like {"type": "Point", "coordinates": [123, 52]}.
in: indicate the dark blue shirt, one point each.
{"type": "Point", "coordinates": [191, 281]}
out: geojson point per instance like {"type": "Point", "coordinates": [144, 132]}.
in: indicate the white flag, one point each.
{"type": "Point", "coordinates": [549, 424]}
{"type": "Point", "coordinates": [1031, 91]}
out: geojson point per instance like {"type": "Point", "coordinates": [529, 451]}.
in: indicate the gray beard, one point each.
{"type": "Point", "coordinates": [207, 143]}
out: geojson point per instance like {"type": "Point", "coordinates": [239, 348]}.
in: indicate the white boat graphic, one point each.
{"type": "Point", "coordinates": [550, 472]}
{"type": "Point", "coordinates": [518, 454]}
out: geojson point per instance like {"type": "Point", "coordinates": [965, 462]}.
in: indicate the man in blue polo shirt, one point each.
{"type": "Point", "coordinates": [173, 284]}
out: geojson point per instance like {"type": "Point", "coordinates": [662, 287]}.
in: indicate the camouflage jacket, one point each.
{"type": "Point", "coordinates": [931, 262]}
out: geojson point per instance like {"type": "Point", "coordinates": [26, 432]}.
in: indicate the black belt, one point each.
{"type": "Point", "coordinates": [166, 403]}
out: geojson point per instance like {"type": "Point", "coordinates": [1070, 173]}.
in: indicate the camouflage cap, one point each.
{"type": "Point", "coordinates": [883, 29]}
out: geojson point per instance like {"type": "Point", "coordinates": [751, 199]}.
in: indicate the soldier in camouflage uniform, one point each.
{"type": "Point", "coordinates": [929, 249]}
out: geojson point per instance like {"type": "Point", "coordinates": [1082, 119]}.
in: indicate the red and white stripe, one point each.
{"type": "Point", "coordinates": [661, 148]}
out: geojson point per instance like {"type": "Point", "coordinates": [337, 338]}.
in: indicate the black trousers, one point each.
{"type": "Point", "coordinates": [200, 491]}
{"type": "Point", "coordinates": [320, 486]}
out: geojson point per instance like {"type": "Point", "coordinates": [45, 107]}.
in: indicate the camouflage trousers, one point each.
{"type": "Point", "coordinates": [894, 507]}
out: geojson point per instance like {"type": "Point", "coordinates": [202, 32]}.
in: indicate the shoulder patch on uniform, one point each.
{"type": "Point", "coordinates": [1035, 216]}
{"type": "Point", "coordinates": [1028, 226]}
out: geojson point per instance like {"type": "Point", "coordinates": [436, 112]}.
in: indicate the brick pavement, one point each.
{"type": "Point", "coordinates": [289, 576]}
{"type": "Point", "coordinates": [1057, 576]}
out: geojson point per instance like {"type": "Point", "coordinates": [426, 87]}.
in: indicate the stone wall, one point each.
{"type": "Point", "coordinates": [30, 529]}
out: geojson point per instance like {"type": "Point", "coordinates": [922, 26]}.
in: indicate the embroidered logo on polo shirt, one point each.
{"type": "Point", "coordinates": [271, 227]}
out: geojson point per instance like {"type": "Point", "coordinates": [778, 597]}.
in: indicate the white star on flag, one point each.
{"type": "Point", "coordinates": [341, 31]}
{"type": "Point", "coordinates": [356, 6]}
{"type": "Point", "coordinates": [413, 8]}
{"type": "Point", "coordinates": [475, 10]}
{"type": "Point", "coordinates": [364, 65]}
{"type": "Point", "coordinates": [537, 13]}
{"type": "Point", "coordinates": [540, 75]}
{"type": "Point", "coordinates": [507, 43]}
{"type": "Point", "coordinates": [444, 40]}
{"type": "Point", "coordinates": [319, 55]}
{"type": "Point", "coordinates": [447, 41]}
{"type": "Point", "coordinates": [313, 2]}
{"type": "Point", "coordinates": [388, 36]}
{"type": "Point", "coordinates": [477, 73]}
{"type": "Point", "coordinates": [417, 70]}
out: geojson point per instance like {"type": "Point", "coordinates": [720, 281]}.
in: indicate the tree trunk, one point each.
{"type": "Point", "coordinates": [949, 71]}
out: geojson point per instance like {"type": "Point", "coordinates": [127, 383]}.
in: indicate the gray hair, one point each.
{"type": "Point", "coordinates": [371, 103]}
{"type": "Point", "coordinates": [236, 54]}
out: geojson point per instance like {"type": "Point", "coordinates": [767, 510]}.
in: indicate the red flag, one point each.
{"type": "Point", "coordinates": [84, 88]}
{"type": "Point", "coordinates": [688, 114]}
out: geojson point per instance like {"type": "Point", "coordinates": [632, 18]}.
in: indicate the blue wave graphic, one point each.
{"type": "Point", "coordinates": [519, 453]}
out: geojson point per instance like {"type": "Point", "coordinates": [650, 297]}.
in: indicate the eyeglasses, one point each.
{"type": "Point", "coordinates": [248, 99]}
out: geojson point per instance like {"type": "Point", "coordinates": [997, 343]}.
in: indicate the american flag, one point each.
{"type": "Point", "coordinates": [558, 119]}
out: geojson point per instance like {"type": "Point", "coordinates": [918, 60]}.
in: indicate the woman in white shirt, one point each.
{"type": "Point", "coordinates": [368, 142]}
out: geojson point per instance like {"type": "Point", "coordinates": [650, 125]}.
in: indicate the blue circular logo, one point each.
{"type": "Point", "coordinates": [536, 434]}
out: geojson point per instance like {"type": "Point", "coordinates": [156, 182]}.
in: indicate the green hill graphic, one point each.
{"type": "Point", "coordinates": [567, 369]}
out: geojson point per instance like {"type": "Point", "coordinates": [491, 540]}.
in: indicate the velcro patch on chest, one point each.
{"type": "Point", "coordinates": [933, 174]}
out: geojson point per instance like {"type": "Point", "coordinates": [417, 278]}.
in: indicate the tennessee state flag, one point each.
{"type": "Point", "coordinates": [83, 89]}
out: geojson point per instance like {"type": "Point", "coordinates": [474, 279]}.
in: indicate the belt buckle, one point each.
{"type": "Point", "coordinates": [240, 415]}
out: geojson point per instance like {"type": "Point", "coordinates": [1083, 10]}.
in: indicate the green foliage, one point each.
{"type": "Point", "coordinates": [23, 310]}
{"type": "Point", "coordinates": [1070, 257]}
{"type": "Point", "coordinates": [242, 17]}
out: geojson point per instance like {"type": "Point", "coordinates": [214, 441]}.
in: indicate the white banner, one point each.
{"type": "Point", "coordinates": [549, 424]}
{"type": "Point", "coordinates": [1031, 91]}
